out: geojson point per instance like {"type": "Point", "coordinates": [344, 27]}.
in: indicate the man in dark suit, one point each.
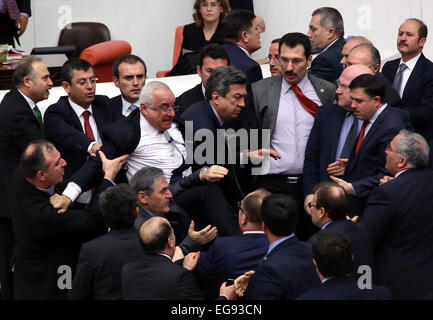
{"type": "Point", "coordinates": [285, 107]}
{"type": "Point", "coordinates": [230, 257]}
{"type": "Point", "coordinates": [351, 42]}
{"type": "Point", "coordinates": [47, 243]}
{"type": "Point", "coordinates": [129, 75]}
{"type": "Point", "coordinates": [14, 17]}
{"type": "Point", "coordinates": [326, 33]}
{"type": "Point", "coordinates": [333, 134]}
{"type": "Point", "coordinates": [412, 76]}
{"type": "Point", "coordinates": [398, 218]}
{"type": "Point", "coordinates": [332, 256]}
{"type": "Point", "coordinates": [155, 198]}
{"type": "Point", "coordinates": [155, 276]}
{"type": "Point", "coordinates": [366, 164]}
{"type": "Point", "coordinates": [287, 270]}
{"type": "Point", "coordinates": [19, 125]}
{"type": "Point", "coordinates": [369, 56]}
{"type": "Point", "coordinates": [211, 57]}
{"type": "Point", "coordinates": [242, 30]}
{"type": "Point", "coordinates": [101, 259]}
{"type": "Point", "coordinates": [75, 122]}
{"type": "Point", "coordinates": [328, 210]}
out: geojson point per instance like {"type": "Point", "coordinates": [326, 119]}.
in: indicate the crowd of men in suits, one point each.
{"type": "Point", "coordinates": [113, 199]}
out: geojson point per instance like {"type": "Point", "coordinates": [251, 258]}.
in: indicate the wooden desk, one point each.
{"type": "Point", "coordinates": [54, 63]}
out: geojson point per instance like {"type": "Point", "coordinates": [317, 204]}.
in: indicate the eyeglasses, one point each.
{"type": "Point", "coordinates": [164, 109]}
{"type": "Point", "coordinates": [83, 82]}
{"type": "Point", "coordinates": [212, 5]}
{"type": "Point", "coordinates": [295, 61]}
{"type": "Point", "coordinates": [276, 57]}
{"type": "Point", "coordinates": [311, 204]}
{"type": "Point", "coordinates": [240, 206]}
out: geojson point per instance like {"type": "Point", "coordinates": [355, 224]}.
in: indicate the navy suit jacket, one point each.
{"type": "Point", "coordinates": [232, 256]}
{"type": "Point", "coordinates": [326, 65]}
{"type": "Point", "coordinates": [116, 106]}
{"type": "Point", "coordinates": [345, 288]}
{"type": "Point", "coordinates": [243, 62]}
{"type": "Point", "coordinates": [417, 95]}
{"type": "Point", "coordinates": [365, 168]}
{"type": "Point", "coordinates": [398, 219]}
{"type": "Point", "coordinates": [190, 97]}
{"type": "Point", "coordinates": [285, 273]}
{"type": "Point", "coordinates": [359, 238]}
{"type": "Point", "coordinates": [63, 128]}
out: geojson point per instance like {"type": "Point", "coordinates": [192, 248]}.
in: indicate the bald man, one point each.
{"type": "Point", "coordinates": [368, 55]}
{"type": "Point", "coordinates": [333, 135]}
{"type": "Point", "coordinates": [351, 43]}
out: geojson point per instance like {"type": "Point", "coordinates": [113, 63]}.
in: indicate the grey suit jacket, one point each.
{"type": "Point", "coordinates": [266, 98]}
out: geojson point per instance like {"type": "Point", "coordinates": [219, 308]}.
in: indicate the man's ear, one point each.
{"type": "Point", "coordinates": [143, 198]}
{"type": "Point", "coordinates": [66, 87]}
{"type": "Point", "coordinates": [116, 81]}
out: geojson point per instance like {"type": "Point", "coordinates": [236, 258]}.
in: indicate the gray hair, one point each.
{"type": "Point", "coordinates": [24, 69]}
{"type": "Point", "coordinates": [414, 148]}
{"type": "Point", "coordinates": [146, 94]}
{"type": "Point", "coordinates": [144, 179]}
{"type": "Point", "coordinates": [221, 79]}
{"type": "Point", "coordinates": [374, 53]}
{"type": "Point", "coordinates": [330, 17]}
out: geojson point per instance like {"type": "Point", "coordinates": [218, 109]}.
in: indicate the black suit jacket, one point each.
{"type": "Point", "coordinates": [155, 277]}
{"type": "Point", "coordinates": [345, 288]}
{"type": "Point", "coordinates": [18, 127]}
{"type": "Point", "coordinates": [243, 62]}
{"type": "Point", "coordinates": [8, 29]}
{"type": "Point", "coordinates": [365, 168]}
{"type": "Point", "coordinates": [188, 98]}
{"type": "Point", "coordinates": [116, 106]}
{"type": "Point", "coordinates": [326, 65]}
{"type": "Point", "coordinates": [417, 95]}
{"type": "Point", "coordinates": [63, 128]}
{"type": "Point", "coordinates": [285, 273]}
{"type": "Point", "coordinates": [398, 219]}
{"type": "Point", "coordinates": [46, 240]}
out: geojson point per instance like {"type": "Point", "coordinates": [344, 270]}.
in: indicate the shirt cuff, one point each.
{"type": "Point", "coordinates": [90, 146]}
{"type": "Point", "coordinates": [72, 191]}
{"type": "Point", "coordinates": [24, 14]}
{"type": "Point", "coordinates": [201, 170]}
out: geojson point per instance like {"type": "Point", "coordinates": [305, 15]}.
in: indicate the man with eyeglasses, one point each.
{"type": "Point", "coordinates": [75, 122]}
{"type": "Point", "coordinates": [286, 106]}
{"type": "Point", "coordinates": [398, 218]}
{"type": "Point", "coordinates": [369, 56]}
{"type": "Point", "coordinates": [328, 210]}
{"type": "Point", "coordinates": [274, 58]}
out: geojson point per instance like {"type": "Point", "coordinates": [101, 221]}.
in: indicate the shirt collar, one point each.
{"type": "Point", "coordinates": [377, 114]}
{"type": "Point", "coordinates": [326, 224]}
{"type": "Point", "coordinates": [244, 50]}
{"type": "Point", "coordinates": [126, 105]}
{"type": "Point", "coordinates": [221, 122]}
{"type": "Point", "coordinates": [254, 232]}
{"type": "Point", "coordinates": [31, 103]}
{"type": "Point", "coordinates": [49, 190]}
{"type": "Point", "coordinates": [276, 243]}
{"type": "Point", "coordinates": [302, 84]}
{"type": "Point", "coordinates": [79, 109]}
{"type": "Point", "coordinates": [411, 63]}
{"type": "Point", "coordinates": [203, 89]}
{"type": "Point", "coordinates": [146, 126]}
{"type": "Point", "coordinates": [164, 255]}
{"type": "Point", "coordinates": [399, 173]}
{"type": "Point", "coordinates": [329, 45]}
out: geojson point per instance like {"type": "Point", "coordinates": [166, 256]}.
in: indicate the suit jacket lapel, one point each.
{"type": "Point", "coordinates": [336, 129]}
{"type": "Point", "coordinates": [415, 74]}
{"type": "Point", "coordinates": [274, 101]}
{"type": "Point", "coordinates": [73, 116]}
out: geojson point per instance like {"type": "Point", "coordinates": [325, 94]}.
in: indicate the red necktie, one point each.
{"type": "Point", "coordinates": [87, 127]}
{"type": "Point", "coordinates": [361, 135]}
{"type": "Point", "coordinates": [308, 104]}
{"type": "Point", "coordinates": [12, 8]}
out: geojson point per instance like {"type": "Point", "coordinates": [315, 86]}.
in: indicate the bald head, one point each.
{"type": "Point", "coordinates": [365, 54]}
{"type": "Point", "coordinates": [350, 44]}
{"type": "Point", "coordinates": [332, 198]}
{"type": "Point", "coordinates": [155, 234]}
{"type": "Point", "coordinates": [345, 79]}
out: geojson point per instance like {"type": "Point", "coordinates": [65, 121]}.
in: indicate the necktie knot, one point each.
{"type": "Point", "coordinates": [402, 67]}
{"type": "Point", "coordinates": [132, 107]}
{"type": "Point", "coordinates": [399, 77]}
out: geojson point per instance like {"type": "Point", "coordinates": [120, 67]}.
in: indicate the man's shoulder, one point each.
{"type": "Point", "coordinates": [321, 83]}
{"type": "Point", "coordinates": [265, 83]}
{"type": "Point", "coordinates": [101, 101]}
{"type": "Point", "coordinates": [61, 105]}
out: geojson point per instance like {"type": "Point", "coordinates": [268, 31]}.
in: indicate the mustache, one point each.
{"type": "Point", "coordinates": [288, 73]}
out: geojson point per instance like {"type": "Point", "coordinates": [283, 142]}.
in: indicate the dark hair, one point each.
{"type": "Point", "coordinates": [293, 39]}
{"type": "Point", "coordinates": [276, 41]}
{"type": "Point", "coordinates": [155, 241]}
{"type": "Point", "coordinates": [221, 78]}
{"type": "Point", "coordinates": [332, 253]}
{"type": "Point", "coordinates": [253, 205]}
{"type": "Point", "coordinates": [129, 59]}
{"type": "Point", "coordinates": [279, 213]}
{"type": "Point", "coordinates": [214, 51]}
{"type": "Point", "coordinates": [33, 158]}
{"type": "Point", "coordinates": [118, 204]}
{"type": "Point", "coordinates": [371, 84]}
{"type": "Point", "coordinates": [333, 198]}
{"type": "Point", "coordinates": [422, 30]}
{"type": "Point", "coordinates": [330, 18]}
{"type": "Point", "coordinates": [71, 65]}
{"type": "Point", "coordinates": [198, 19]}
{"type": "Point", "coordinates": [24, 69]}
{"type": "Point", "coordinates": [144, 179]}
{"type": "Point", "coordinates": [235, 23]}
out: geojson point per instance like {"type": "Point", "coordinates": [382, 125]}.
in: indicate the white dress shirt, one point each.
{"type": "Point", "coordinates": [407, 72]}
